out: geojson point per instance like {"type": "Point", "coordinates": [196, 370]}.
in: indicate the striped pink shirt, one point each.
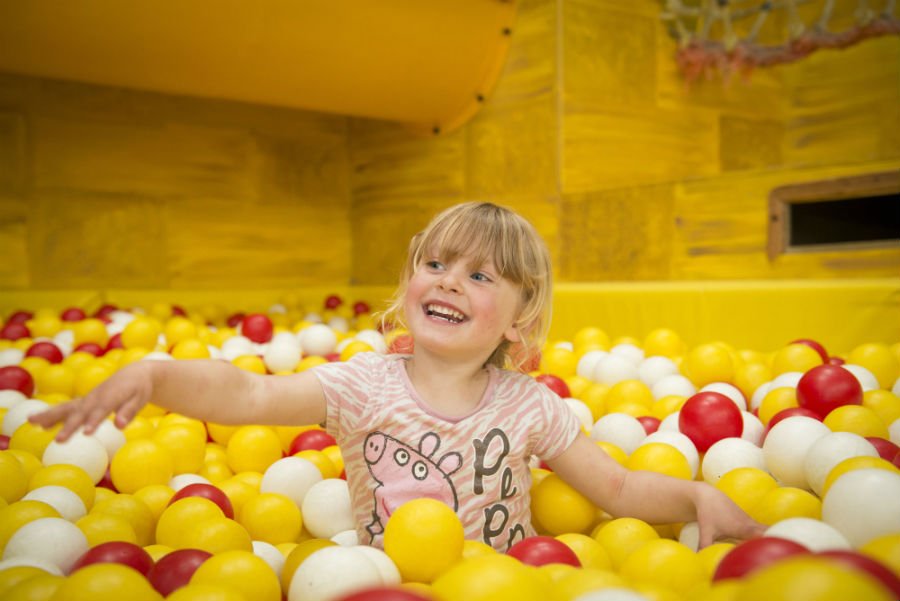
{"type": "Point", "coordinates": [397, 448]}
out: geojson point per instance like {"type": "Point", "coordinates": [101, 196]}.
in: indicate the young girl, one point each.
{"type": "Point", "coordinates": [446, 422]}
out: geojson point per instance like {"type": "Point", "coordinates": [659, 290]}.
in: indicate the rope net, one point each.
{"type": "Point", "coordinates": [734, 36]}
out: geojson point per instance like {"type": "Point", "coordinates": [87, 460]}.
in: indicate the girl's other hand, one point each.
{"type": "Point", "coordinates": [720, 518]}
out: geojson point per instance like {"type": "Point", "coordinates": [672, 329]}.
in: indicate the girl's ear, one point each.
{"type": "Point", "coordinates": [512, 334]}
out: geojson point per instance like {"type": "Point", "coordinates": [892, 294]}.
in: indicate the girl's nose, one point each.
{"type": "Point", "coordinates": [449, 282]}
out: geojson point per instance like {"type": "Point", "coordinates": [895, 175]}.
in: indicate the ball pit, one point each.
{"type": "Point", "coordinates": [807, 447]}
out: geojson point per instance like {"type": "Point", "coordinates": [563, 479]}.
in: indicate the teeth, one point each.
{"type": "Point", "coordinates": [445, 312]}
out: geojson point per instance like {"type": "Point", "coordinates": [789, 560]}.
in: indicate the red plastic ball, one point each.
{"type": "Point", "coordinates": [106, 481]}
{"type": "Point", "coordinates": [121, 552]}
{"type": "Point", "coordinates": [789, 412]}
{"type": "Point", "coordinates": [754, 554]}
{"type": "Point", "coordinates": [554, 383]}
{"type": "Point", "coordinates": [650, 423]}
{"type": "Point", "coordinates": [257, 327]}
{"type": "Point", "coordinates": [104, 311]}
{"type": "Point", "coordinates": [174, 570]}
{"type": "Point", "coordinates": [115, 341]}
{"type": "Point", "coordinates": [92, 348]}
{"type": "Point", "coordinates": [13, 377]}
{"type": "Point", "coordinates": [836, 361]}
{"type": "Point", "coordinates": [47, 350]}
{"type": "Point", "coordinates": [15, 331]}
{"type": "Point", "coordinates": [886, 449]}
{"type": "Point", "coordinates": [708, 417]}
{"type": "Point", "coordinates": [206, 491]}
{"type": "Point", "coordinates": [384, 593]}
{"type": "Point", "coordinates": [874, 568]}
{"type": "Point", "coordinates": [827, 387]}
{"type": "Point", "coordinates": [314, 440]}
{"type": "Point", "coordinates": [541, 550]}
{"type": "Point", "coordinates": [73, 314]}
{"type": "Point", "coordinates": [234, 320]}
{"type": "Point", "coordinates": [179, 311]}
{"type": "Point", "coordinates": [814, 346]}
{"type": "Point", "coordinates": [4, 442]}
{"type": "Point", "coordinates": [20, 317]}
{"type": "Point", "coordinates": [360, 307]}
{"type": "Point", "coordinates": [333, 301]}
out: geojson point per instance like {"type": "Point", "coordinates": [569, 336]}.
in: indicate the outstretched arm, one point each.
{"type": "Point", "coordinates": [652, 497]}
{"type": "Point", "coordinates": [208, 390]}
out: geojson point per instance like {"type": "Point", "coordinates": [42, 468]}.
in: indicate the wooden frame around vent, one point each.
{"type": "Point", "coordinates": [780, 199]}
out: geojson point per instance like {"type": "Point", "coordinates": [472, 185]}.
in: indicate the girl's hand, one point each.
{"type": "Point", "coordinates": [719, 518]}
{"type": "Point", "coordinates": [124, 394]}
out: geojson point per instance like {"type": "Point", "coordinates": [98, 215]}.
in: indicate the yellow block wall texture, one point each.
{"type": "Point", "coordinates": [628, 173]}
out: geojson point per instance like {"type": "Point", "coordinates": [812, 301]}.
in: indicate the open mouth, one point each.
{"type": "Point", "coordinates": [445, 313]}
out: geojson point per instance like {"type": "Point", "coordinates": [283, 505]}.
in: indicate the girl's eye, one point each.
{"type": "Point", "coordinates": [433, 264]}
{"type": "Point", "coordinates": [480, 277]}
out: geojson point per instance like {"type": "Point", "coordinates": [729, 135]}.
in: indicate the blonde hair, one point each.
{"type": "Point", "coordinates": [489, 232]}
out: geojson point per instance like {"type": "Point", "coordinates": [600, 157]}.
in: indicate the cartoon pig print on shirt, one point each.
{"type": "Point", "coordinates": [404, 473]}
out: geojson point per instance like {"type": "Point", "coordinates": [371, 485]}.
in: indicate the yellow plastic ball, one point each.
{"type": "Point", "coordinates": [140, 463]}
{"type": "Point", "coordinates": [205, 592]}
{"type": "Point", "coordinates": [558, 508]}
{"type": "Point", "coordinates": [34, 365]}
{"type": "Point", "coordinates": [777, 400]}
{"type": "Point", "coordinates": [157, 552]}
{"type": "Point", "coordinates": [589, 551]}
{"type": "Point", "coordinates": [746, 486]}
{"type": "Point", "coordinates": [219, 433]}
{"type": "Point", "coordinates": [795, 357]}
{"type": "Point", "coordinates": [141, 332]}
{"type": "Point", "coordinates": [72, 477]}
{"type": "Point", "coordinates": [620, 456]}
{"type": "Point", "coordinates": [13, 480]}
{"type": "Point", "coordinates": [592, 337]}
{"type": "Point", "coordinates": [664, 342]}
{"type": "Point", "coordinates": [17, 514]}
{"type": "Point", "coordinates": [90, 376]}
{"type": "Point", "coordinates": [886, 549]}
{"type": "Point", "coordinates": [253, 449]}
{"type": "Point", "coordinates": [30, 463]}
{"type": "Point", "coordinates": [630, 391]}
{"type": "Point", "coordinates": [12, 576]}
{"type": "Point", "coordinates": [242, 571]}
{"type": "Point", "coordinates": [857, 419]}
{"type": "Point", "coordinates": [187, 447]}
{"type": "Point", "coordinates": [357, 346]}
{"type": "Point", "coordinates": [251, 363]}
{"type": "Point", "coordinates": [711, 555]}
{"type": "Point", "coordinates": [878, 359]}
{"type": "Point", "coordinates": [58, 378]}
{"type": "Point", "coordinates": [215, 471]}
{"type": "Point", "coordinates": [492, 577]}
{"type": "Point", "coordinates": [884, 403]}
{"type": "Point", "coordinates": [622, 536]}
{"type": "Point", "coordinates": [90, 330]}
{"type": "Point", "coordinates": [667, 405]}
{"type": "Point", "coordinates": [217, 535]}
{"type": "Point", "coordinates": [131, 355]}
{"type": "Point", "coordinates": [139, 428]}
{"type": "Point", "coordinates": [594, 397]}
{"type": "Point", "coordinates": [660, 458]}
{"type": "Point", "coordinates": [214, 452]}
{"type": "Point", "coordinates": [750, 376]}
{"type": "Point", "coordinates": [179, 328]}
{"type": "Point", "coordinates": [578, 385]}
{"type": "Point", "coordinates": [308, 362]}
{"type": "Point", "coordinates": [45, 326]}
{"type": "Point", "coordinates": [709, 363]}
{"type": "Point", "coordinates": [177, 517]}
{"type": "Point", "coordinates": [297, 555]}
{"type": "Point", "coordinates": [238, 492]}
{"type": "Point", "coordinates": [666, 563]}
{"type": "Point", "coordinates": [192, 348]}
{"type": "Point", "coordinates": [809, 578]}
{"type": "Point", "coordinates": [156, 497]}
{"type": "Point", "coordinates": [423, 537]}
{"type": "Point", "coordinates": [101, 528]}
{"type": "Point", "coordinates": [786, 502]}
{"type": "Point", "coordinates": [106, 582]}
{"type": "Point", "coordinates": [271, 517]}
{"type": "Point", "coordinates": [32, 439]}
{"type": "Point", "coordinates": [41, 587]}
{"type": "Point", "coordinates": [559, 361]}
{"type": "Point", "coordinates": [856, 463]}
{"type": "Point", "coordinates": [131, 509]}
{"type": "Point", "coordinates": [79, 359]}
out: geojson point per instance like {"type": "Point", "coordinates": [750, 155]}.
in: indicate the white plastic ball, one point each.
{"type": "Point", "coordinates": [587, 364]}
{"type": "Point", "coordinates": [11, 356]}
{"type": "Point", "coordinates": [830, 450]}
{"type": "Point", "coordinates": [815, 535]}
{"type": "Point", "coordinates": [628, 351]}
{"type": "Point", "coordinates": [621, 429]}
{"type": "Point", "coordinates": [675, 384]}
{"type": "Point", "coordinates": [894, 431]}
{"type": "Point", "coordinates": [729, 454]}
{"type": "Point", "coordinates": [753, 430]}
{"type": "Point", "coordinates": [612, 369]}
{"type": "Point", "coordinates": [19, 413]}
{"type": "Point", "coordinates": [655, 368]}
{"type": "Point", "coordinates": [788, 379]}
{"type": "Point", "coordinates": [280, 357]}
{"type": "Point", "coordinates": [581, 411]}
{"type": "Point", "coordinates": [214, 351]}
{"type": "Point", "coordinates": [681, 442]}
{"type": "Point", "coordinates": [8, 398]}
{"type": "Point", "coordinates": [564, 344]}
{"type": "Point", "coordinates": [277, 308]}
{"type": "Point", "coordinates": [270, 554]}
{"type": "Point", "coordinates": [65, 340]}
{"type": "Point", "coordinates": [612, 594]}
{"type": "Point", "coordinates": [291, 477]}
{"type": "Point", "coordinates": [373, 338]}
{"type": "Point", "coordinates": [759, 394]}
{"type": "Point", "coordinates": [179, 481]}
{"type": "Point", "coordinates": [288, 338]}
{"type": "Point", "coordinates": [66, 502]}
{"type": "Point", "coordinates": [237, 346]}
{"type": "Point", "coordinates": [347, 538]}
{"type": "Point", "coordinates": [863, 504]}
{"type": "Point", "coordinates": [728, 390]}
{"type": "Point", "coordinates": [326, 508]}
{"type": "Point", "coordinates": [82, 450]}
{"type": "Point", "coordinates": [331, 573]}
{"type": "Point", "coordinates": [110, 437]}
{"type": "Point", "coordinates": [312, 317]}
{"type": "Point", "coordinates": [52, 540]}
{"type": "Point", "coordinates": [318, 339]}
{"type": "Point", "coordinates": [670, 423]}
{"type": "Point", "coordinates": [339, 324]}
{"type": "Point", "coordinates": [896, 387]}
{"type": "Point", "coordinates": [786, 446]}
{"type": "Point", "coordinates": [689, 536]}
{"type": "Point", "coordinates": [390, 575]}
{"type": "Point", "coordinates": [866, 378]}
{"type": "Point", "coordinates": [158, 356]}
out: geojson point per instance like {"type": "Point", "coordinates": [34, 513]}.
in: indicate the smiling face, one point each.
{"type": "Point", "coordinates": [455, 307]}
